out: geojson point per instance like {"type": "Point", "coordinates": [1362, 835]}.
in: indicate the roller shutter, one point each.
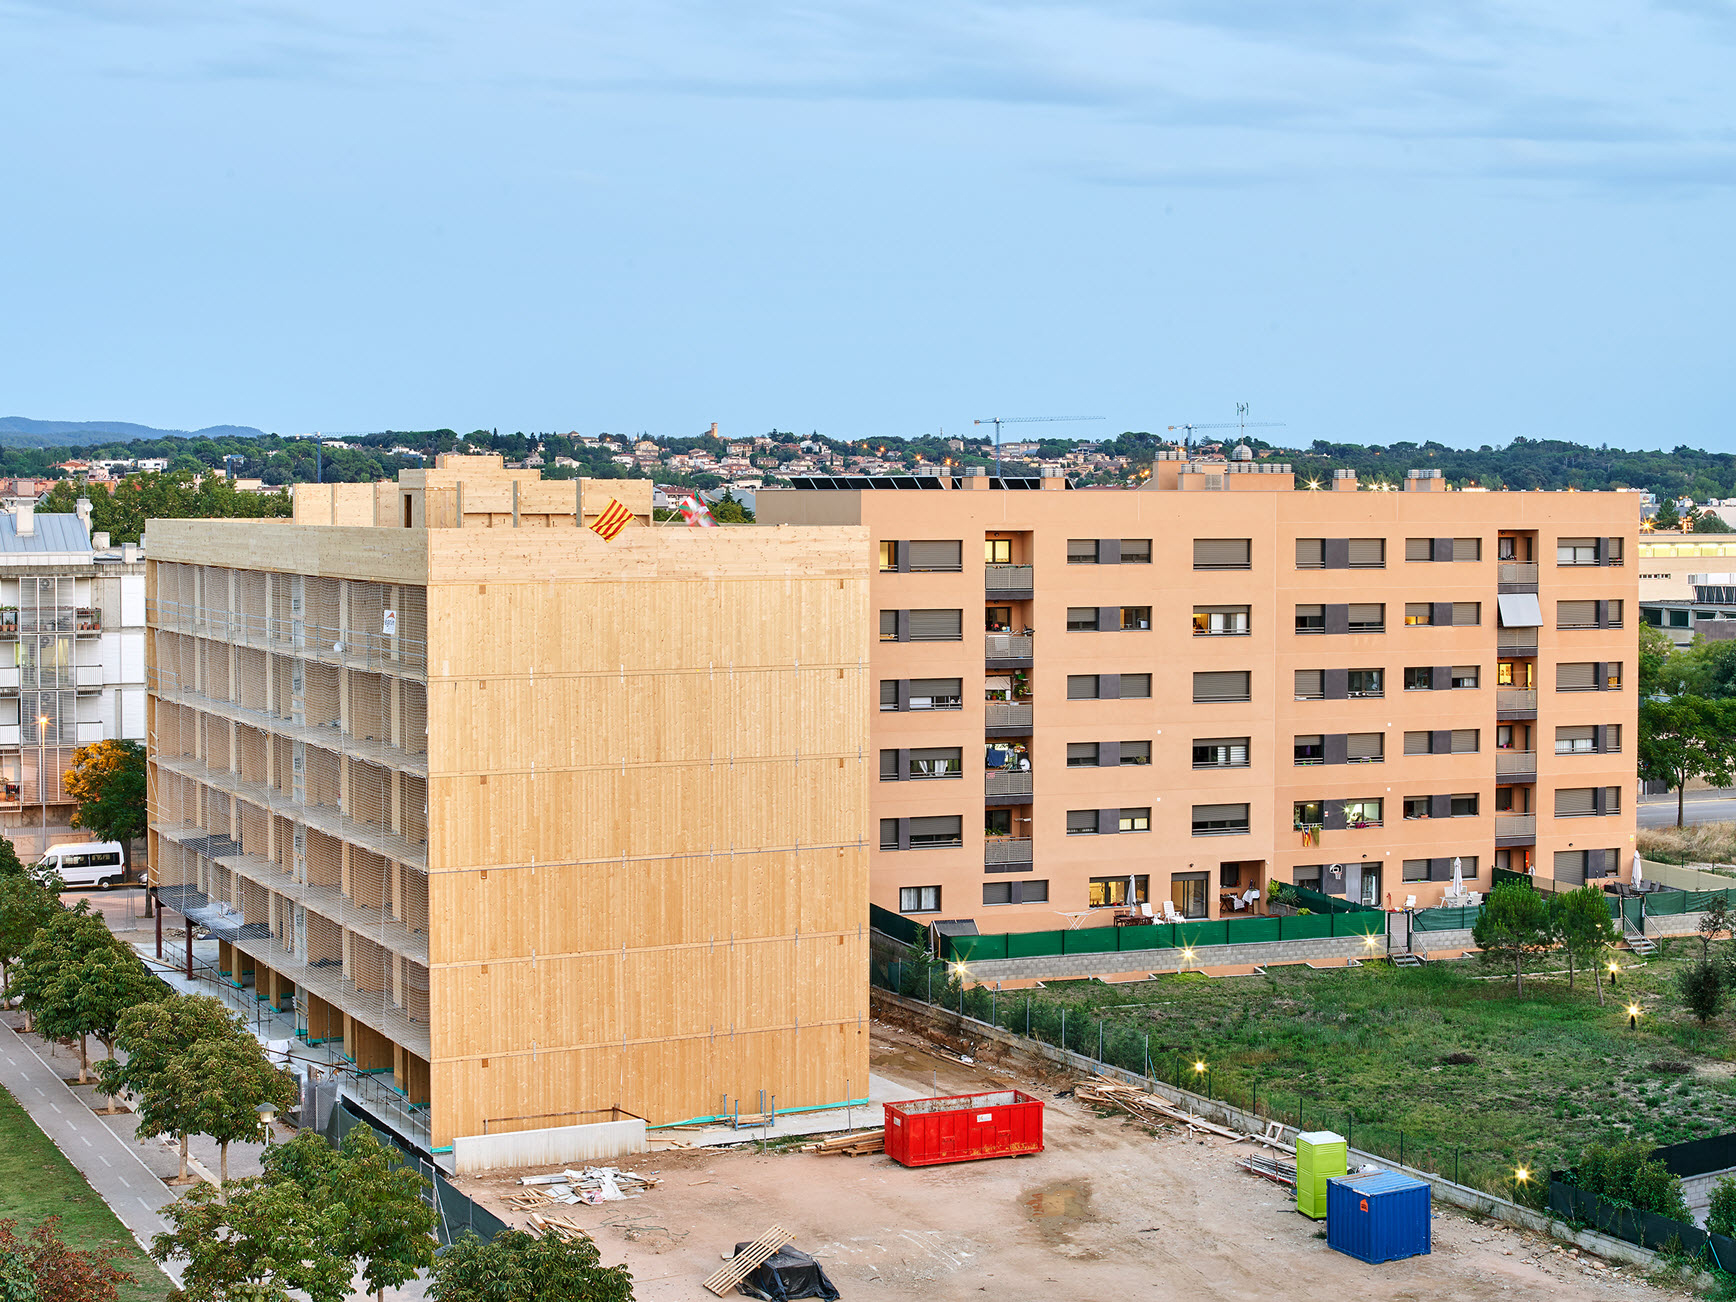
{"type": "Point", "coordinates": [940, 830]}
{"type": "Point", "coordinates": [941, 693]}
{"type": "Point", "coordinates": [937, 626]}
{"type": "Point", "coordinates": [1081, 551]}
{"type": "Point", "coordinates": [1466, 613]}
{"type": "Point", "coordinates": [1310, 684]}
{"type": "Point", "coordinates": [1081, 687]}
{"type": "Point", "coordinates": [1417, 743]}
{"type": "Point", "coordinates": [1580, 676]}
{"type": "Point", "coordinates": [1576, 732]}
{"type": "Point", "coordinates": [888, 693]}
{"type": "Point", "coordinates": [1576, 614]}
{"type": "Point", "coordinates": [937, 555]}
{"type": "Point", "coordinates": [1573, 801]}
{"type": "Point", "coordinates": [1467, 549]}
{"type": "Point", "coordinates": [1570, 867]}
{"type": "Point", "coordinates": [1220, 814]}
{"type": "Point", "coordinates": [1419, 549]}
{"type": "Point", "coordinates": [1364, 746]}
{"type": "Point", "coordinates": [1310, 553]}
{"type": "Point", "coordinates": [1221, 553]}
{"type": "Point", "coordinates": [1465, 741]}
{"type": "Point", "coordinates": [1366, 616]}
{"type": "Point", "coordinates": [1221, 685]}
{"type": "Point", "coordinates": [1367, 553]}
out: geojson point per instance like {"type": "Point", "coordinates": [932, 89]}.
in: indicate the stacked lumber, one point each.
{"type": "Point", "coordinates": [1270, 1167]}
{"type": "Point", "coordinates": [560, 1228]}
{"type": "Point", "coordinates": [739, 1267]}
{"type": "Point", "coordinates": [1152, 1109]}
{"type": "Point", "coordinates": [857, 1144]}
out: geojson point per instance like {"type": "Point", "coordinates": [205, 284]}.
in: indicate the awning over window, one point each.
{"type": "Point", "coordinates": [1520, 610]}
{"type": "Point", "coordinates": [1004, 683]}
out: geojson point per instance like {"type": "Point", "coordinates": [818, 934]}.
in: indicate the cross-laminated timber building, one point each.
{"type": "Point", "coordinates": [540, 826]}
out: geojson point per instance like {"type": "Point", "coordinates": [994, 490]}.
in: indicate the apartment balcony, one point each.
{"type": "Point", "coordinates": [1516, 703]}
{"type": "Point", "coordinates": [1008, 719]}
{"type": "Point", "coordinates": [398, 654]}
{"type": "Point", "coordinates": [1516, 641]}
{"type": "Point", "coordinates": [1007, 853]}
{"type": "Point", "coordinates": [51, 619]}
{"type": "Point", "coordinates": [1516, 765]}
{"type": "Point", "coordinates": [1009, 581]}
{"type": "Point", "coordinates": [1515, 829]}
{"type": "Point", "coordinates": [1007, 650]}
{"type": "Point", "coordinates": [1007, 788]}
{"type": "Point", "coordinates": [1516, 576]}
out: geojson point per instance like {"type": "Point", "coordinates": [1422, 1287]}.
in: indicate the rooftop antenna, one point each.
{"type": "Point", "coordinates": [998, 421]}
{"type": "Point", "coordinates": [1241, 424]}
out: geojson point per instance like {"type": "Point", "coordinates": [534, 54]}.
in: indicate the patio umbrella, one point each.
{"type": "Point", "coordinates": [1458, 876]}
{"type": "Point", "coordinates": [1636, 882]}
{"type": "Point", "coordinates": [1132, 892]}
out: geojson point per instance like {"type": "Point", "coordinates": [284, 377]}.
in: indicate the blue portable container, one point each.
{"type": "Point", "coordinates": [1379, 1217]}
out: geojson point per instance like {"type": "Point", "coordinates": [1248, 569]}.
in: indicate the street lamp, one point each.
{"type": "Point", "coordinates": [267, 1114]}
{"type": "Point", "coordinates": [1633, 1017]}
{"type": "Point", "coordinates": [1614, 968]}
{"type": "Point", "coordinates": [1522, 1175]}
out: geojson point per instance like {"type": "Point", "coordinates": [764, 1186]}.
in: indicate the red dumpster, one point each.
{"type": "Point", "coordinates": [963, 1128]}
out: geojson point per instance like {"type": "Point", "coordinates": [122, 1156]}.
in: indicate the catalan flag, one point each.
{"type": "Point", "coordinates": [613, 519]}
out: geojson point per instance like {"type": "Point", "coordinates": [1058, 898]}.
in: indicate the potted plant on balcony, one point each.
{"type": "Point", "coordinates": [1021, 685]}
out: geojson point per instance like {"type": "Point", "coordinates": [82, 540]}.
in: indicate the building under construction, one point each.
{"type": "Point", "coordinates": [544, 828]}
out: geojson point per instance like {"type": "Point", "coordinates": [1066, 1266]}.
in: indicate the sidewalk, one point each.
{"type": "Point", "coordinates": [117, 1173]}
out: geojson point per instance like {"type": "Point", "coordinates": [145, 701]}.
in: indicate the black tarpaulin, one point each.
{"type": "Point", "coordinates": [787, 1273]}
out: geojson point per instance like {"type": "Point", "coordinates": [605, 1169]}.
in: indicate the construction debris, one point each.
{"type": "Point", "coordinates": [1155, 1110]}
{"type": "Point", "coordinates": [560, 1228]}
{"type": "Point", "coordinates": [1270, 1167]}
{"type": "Point", "coordinates": [740, 1266]}
{"type": "Point", "coordinates": [593, 1185]}
{"type": "Point", "coordinates": [858, 1144]}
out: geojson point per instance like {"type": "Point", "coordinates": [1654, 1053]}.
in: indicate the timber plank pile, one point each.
{"type": "Point", "coordinates": [740, 1266]}
{"type": "Point", "coordinates": [858, 1144]}
{"type": "Point", "coordinates": [1154, 1110]}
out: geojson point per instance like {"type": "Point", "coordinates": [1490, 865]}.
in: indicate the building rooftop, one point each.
{"type": "Point", "coordinates": [53, 534]}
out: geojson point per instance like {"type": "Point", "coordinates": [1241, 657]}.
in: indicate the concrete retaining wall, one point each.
{"type": "Point", "coordinates": [1471, 1200]}
{"type": "Point", "coordinates": [554, 1146]}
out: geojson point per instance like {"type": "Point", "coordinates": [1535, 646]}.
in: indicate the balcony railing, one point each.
{"type": "Point", "coordinates": [1515, 763]}
{"type": "Point", "coordinates": [1008, 714]}
{"type": "Point", "coordinates": [1007, 646]}
{"type": "Point", "coordinates": [1516, 703]}
{"type": "Point", "coordinates": [395, 652]}
{"type": "Point", "coordinates": [1007, 578]}
{"type": "Point", "coordinates": [1516, 576]}
{"type": "Point", "coordinates": [1007, 784]}
{"type": "Point", "coordinates": [1012, 849]}
{"type": "Point", "coordinates": [1521, 641]}
{"type": "Point", "coordinates": [50, 619]}
{"type": "Point", "coordinates": [1515, 829]}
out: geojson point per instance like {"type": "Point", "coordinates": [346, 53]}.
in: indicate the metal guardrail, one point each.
{"type": "Point", "coordinates": [1007, 578]}
{"type": "Point", "coordinates": [1007, 646]}
{"type": "Point", "coordinates": [1007, 784]}
{"type": "Point", "coordinates": [1513, 763]}
{"type": "Point", "coordinates": [1515, 702]}
{"type": "Point", "coordinates": [350, 648]}
{"type": "Point", "coordinates": [1515, 825]}
{"type": "Point", "coordinates": [1516, 639]}
{"type": "Point", "coordinates": [1516, 576]}
{"type": "Point", "coordinates": [1011, 850]}
{"type": "Point", "coordinates": [1008, 714]}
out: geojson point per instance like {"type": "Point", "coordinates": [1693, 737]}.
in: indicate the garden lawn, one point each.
{"type": "Point", "coordinates": [1365, 1051]}
{"type": "Point", "coordinates": [36, 1182]}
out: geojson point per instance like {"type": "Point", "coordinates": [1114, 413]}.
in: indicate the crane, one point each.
{"type": "Point", "coordinates": [998, 421]}
{"type": "Point", "coordinates": [1240, 423]}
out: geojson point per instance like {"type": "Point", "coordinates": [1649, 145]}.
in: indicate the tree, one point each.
{"type": "Point", "coordinates": [1655, 653]}
{"type": "Point", "coordinates": [26, 905]}
{"type": "Point", "coordinates": [1581, 921]}
{"type": "Point", "coordinates": [1513, 925]}
{"type": "Point", "coordinates": [1666, 518]}
{"type": "Point", "coordinates": [260, 1238]}
{"type": "Point", "coordinates": [1721, 1215]}
{"type": "Point", "coordinates": [1684, 738]}
{"type": "Point", "coordinates": [1715, 919]}
{"type": "Point", "coordinates": [220, 1083]}
{"type": "Point", "coordinates": [1707, 522]}
{"type": "Point", "coordinates": [154, 1036]}
{"type": "Point", "coordinates": [72, 948]}
{"type": "Point", "coordinates": [1701, 987]}
{"type": "Point", "coordinates": [10, 864]}
{"type": "Point", "coordinates": [107, 778]}
{"type": "Point", "coordinates": [42, 1268]}
{"type": "Point", "coordinates": [520, 1267]}
{"type": "Point", "coordinates": [729, 510]}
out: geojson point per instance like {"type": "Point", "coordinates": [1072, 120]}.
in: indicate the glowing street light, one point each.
{"type": "Point", "coordinates": [1521, 1175]}
{"type": "Point", "coordinates": [1633, 1017]}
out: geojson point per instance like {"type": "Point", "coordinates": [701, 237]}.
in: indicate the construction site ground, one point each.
{"type": "Point", "coordinates": [1108, 1211]}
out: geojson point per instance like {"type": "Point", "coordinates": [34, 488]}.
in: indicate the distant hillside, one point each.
{"type": "Point", "coordinates": [22, 432]}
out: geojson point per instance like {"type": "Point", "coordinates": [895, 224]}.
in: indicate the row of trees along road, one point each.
{"type": "Point", "coordinates": [1687, 712]}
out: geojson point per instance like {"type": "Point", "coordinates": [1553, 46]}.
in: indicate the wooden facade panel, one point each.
{"type": "Point", "coordinates": [386, 555]}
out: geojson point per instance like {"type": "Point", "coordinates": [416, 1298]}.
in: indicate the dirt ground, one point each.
{"type": "Point", "coordinates": [1107, 1212]}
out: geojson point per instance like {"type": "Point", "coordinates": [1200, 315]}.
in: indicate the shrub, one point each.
{"type": "Point", "coordinates": [1701, 986]}
{"type": "Point", "coordinates": [1628, 1174]}
{"type": "Point", "coordinates": [1721, 1217]}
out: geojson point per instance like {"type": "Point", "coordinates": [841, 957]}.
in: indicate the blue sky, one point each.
{"type": "Point", "coordinates": [1370, 220]}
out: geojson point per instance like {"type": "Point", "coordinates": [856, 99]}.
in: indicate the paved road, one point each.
{"type": "Point", "coordinates": [114, 1170]}
{"type": "Point", "coordinates": [1660, 811]}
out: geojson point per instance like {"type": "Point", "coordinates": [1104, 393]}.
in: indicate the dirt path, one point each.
{"type": "Point", "coordinates": [1105, 1212]}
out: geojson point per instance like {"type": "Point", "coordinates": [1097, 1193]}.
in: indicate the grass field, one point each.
{"type": "Point", "coordinates": [1381, 1053]}
{"type": "Point", "coordinates": [36, 1182]}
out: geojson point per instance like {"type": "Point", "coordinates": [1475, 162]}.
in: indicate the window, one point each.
{"type": "Point", "coordinates": [933, 626]}
{"type": "Point", "coordinates": [998, 892]}
{"type": "Point", "coordinates": [1081, 551]}
{"type": "Point", "coordinates": [1612, 800]}
{"type": "Point", "coordinates": [1136, 551]}
{"type": "Point", "coordinates": [1418, 743]}
{"type": "Point", "coordinates": [1415, 870]}
{"type": "Point", "coordinates": [889, 834]}
{"type": "Point", "coordinates": [1419, 612]}
{"type": "Point", "coordinates": [1416, 807]}
{"type": "Point", "coordinates": [1579, 676]}
{"type": "Point", "coordinates": [889, 626]}
{"type": "Point", "coordinates": [936, 557]}
{"type": "Point", "coordinates": [1081, 619]}
{"type": "Point", "coordinates": [1133, 617]}
{"type": "Point", "coordinates": [1467, 741]}
{"type": "Point", "coordinates": [889, 694]}
{"type": "Point", "coordinates": [1365, 682]}
{"type": "Point", "coordinates": [1081, 687]}
{"type": "Point", "coordinates": [1467, 613]}
{"type": "Point", "coordinates": [997, 822]}
{"type": "Point", "coordinates": [936, 694]}
{"type": "Point", "coordinates": [1310, 553]}
{"type": "Point", "coordinates": [1218, 685]}
{"type": "Point", "coordinates": [1362, 813]}
{"type": "Point", "coordinates": [1576, 551]}
{"type": "Point", "coordinates": [1216, 752]}
{"type": "Point", "coordinates": [1678, 618]}
{"type": "Point", "coordinates": [1310, 685]}
{"type": "Point", "coordinates": [1219, 820]}
{"type": "Point", "coordinates": [998, 551]}
{"type": "Point", "coordinates": [1365, 748]}
{"type": "Point", "coordinates": [1188, 893]}
{"type": "Point", "coordinates": [1135, 686]}
{"type": "Point", "coordinates": [1220, 621]}
{"type": "Point", "coordinates": [1419, 549]}
{"type": "Point", "coordinates": [888, 556]}
{"type": "Point", "coordinates": [919, 899]}
{"type": "Point", "coordinates": [997, 619]}
{"type": "Point", "coordinates": [1575, 802]}
{"type": "Point", "coordinates": [1579, 739]}
{"type": "Point", "coordinates": [1576, 614]}
{"type": "Point", "coordinates": [1134, 820]}
{"type": "Point", "coordinates": [1309, 748]}
{"type": "Point", "coordinates": [1612, 614]}
{"type": "Point", "coordinates": [1081, 822]}
{"type": "Point", "coordinates": [1109, 892]}
{"type": "Point", "coordinates": [1368, 553]}
{"type": "Point", "coordinates": [889, 766]}
{"type": "Point", "coordinates": [1310, 619]}
{"type": "Point", "coordinates": [936, 831]}
{"type": "Point", "coordinates": [1464, 806]}
{"type": "Point", "coordinates": [1135, 752]}
{"type": "Point", "coordinates": [1033, 892]}
{"type": "Point", "coordinates": [1015, 892]}
{"type": "Point", "coordinates": [1467, 549]}
{"type": "Point", "coordinates": [1419, 679]}
{"type": "Point", "coordinates": [1612, 554]}
{"type": "Point", "coordinates": [1367, 617]}
{"type": "Point", "coordinates": [1222, 553]}
{"type": "Point", "coordinates": [1612, 739]}
{"type": "Point", "coordinates": [1081, 754]}
{"type": "Point", "coordinates": [1466, 675]}
{"type": "Point", "coordinates": [935, 762]}
{"type": "Point", "coordinates": [1307, 813]}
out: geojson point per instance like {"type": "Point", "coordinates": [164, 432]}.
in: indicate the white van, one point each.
{"type": "Point", "coordinates": [86, 863]}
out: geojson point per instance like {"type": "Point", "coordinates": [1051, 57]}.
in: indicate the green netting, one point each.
{"type": "Point", "coordinates": [1320, 903]}
{"type": "Point", "coordinates": [1092, 940]}
{"type": "Point", "coordinates": [1317, 926]}
{"type": "Point", "coordinates": [1444, 919]}
{"type": "Point", "coordinates": [1034, 944]}
{"type": "Point", "coordinates": [1192, 935]}
{"type": "Point", "coordinates": [1665, 903]}
{"type": "Point", "coordinates": [973, 949]}
{"type": "Point", "coordinates": [899, 928]}
{"type": "Point", "coordinates": [1358, 924]}
{"type": "Point", "coordinates": [1700, 901]}
{"type": "Point", "coordinates": [1251, 931]}
{"type": "Point", "coordinates": [1157, 936]}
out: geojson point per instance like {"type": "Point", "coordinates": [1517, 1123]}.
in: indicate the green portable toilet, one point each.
{"type": "Point", "coordinates": [1320, 1156]}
